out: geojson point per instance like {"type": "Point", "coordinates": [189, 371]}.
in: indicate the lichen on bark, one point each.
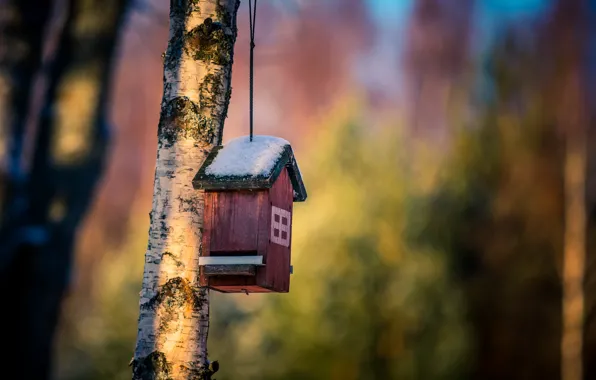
{"type": "Point", "coordinates": [177, 292]}
{"type": "Point", "coordinates": [210, 42]}
{"type": "Point", "coordinates": [180, 118]}
{"type": "Point", "coordinates": [152, 367]}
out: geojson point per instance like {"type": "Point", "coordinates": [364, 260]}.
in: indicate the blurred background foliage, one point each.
{"type": "Point", "coordinates": [430, 245]}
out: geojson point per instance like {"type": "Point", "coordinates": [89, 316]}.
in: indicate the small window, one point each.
{"type": "Point", "coordinates": [280, 226]}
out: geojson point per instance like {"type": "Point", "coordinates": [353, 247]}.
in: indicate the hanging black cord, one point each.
{"type": "Point", "coordinates": [252, 14]}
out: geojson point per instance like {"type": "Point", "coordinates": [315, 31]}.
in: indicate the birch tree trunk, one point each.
{"type": "Point", "coordinates": [23, 26]}
{"type": "Point", "coordinates": [174, 310]}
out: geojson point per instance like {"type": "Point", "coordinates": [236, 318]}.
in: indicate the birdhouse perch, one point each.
{"type": "Point", "coordinates": [250, 187]}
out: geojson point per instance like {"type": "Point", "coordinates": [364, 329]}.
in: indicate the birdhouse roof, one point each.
{"type": "Point", "coordinates": [244, 164]}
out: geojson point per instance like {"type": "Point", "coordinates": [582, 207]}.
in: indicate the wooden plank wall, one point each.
{"type": "Point", "coordinates": [278, 257]}
{"type": "Point", "coordinates": [236, 220]}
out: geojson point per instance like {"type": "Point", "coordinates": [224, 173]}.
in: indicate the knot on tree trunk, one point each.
{"type": "Point", "coordinates": [180, 117]}
{"type": "Point", "coordinates": [174, 294]}
{"type": "Point", "coordinates": [211, 42]}
{"type": "Point", "coordinates": [152, 367]}
{"type": "Point", "coordinates": [156, 367]}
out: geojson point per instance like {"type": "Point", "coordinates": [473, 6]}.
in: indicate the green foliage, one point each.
{"type": "Point", "coordinates": [393, 278]}
{"type": "Point", "coordinates": [497, 213]}
{"type": "Point", "coordinates": [98, 334]}
{"type": "Point", "coordinates": [362, 305]}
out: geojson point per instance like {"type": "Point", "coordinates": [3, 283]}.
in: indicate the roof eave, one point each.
{"type": "Point", "coordinates": [203, 181]}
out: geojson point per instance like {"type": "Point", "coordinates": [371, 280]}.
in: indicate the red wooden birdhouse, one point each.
{"type": "Point", "coordinates": [250, 187]}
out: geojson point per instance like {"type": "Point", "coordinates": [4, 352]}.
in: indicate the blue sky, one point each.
{"type": "Point", "coordinates": [397, 10]}
{"type": "Point", "coordinates": [392, 15]}
{"type": "Point", "coordinates": [390, 10]}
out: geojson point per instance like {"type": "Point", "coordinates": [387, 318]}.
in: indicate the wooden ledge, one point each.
{"type": "Point", "coordinates": [230, 260]}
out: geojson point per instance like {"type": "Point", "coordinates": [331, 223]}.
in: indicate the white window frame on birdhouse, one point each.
{"type": "Point", "coordinates": [278, 228]}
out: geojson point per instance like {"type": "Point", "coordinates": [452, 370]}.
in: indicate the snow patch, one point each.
{"type": "Point", "coordinates": [241, 158]}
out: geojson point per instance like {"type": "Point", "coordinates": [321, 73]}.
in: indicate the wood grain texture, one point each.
{"type": "Point", "coordinates": [218, 282]}
{"type": "Point", "coordinates": [235, 221]}
{"type": "Point", "coordinates": [263, 235]}
{"type": "Point", "coordinates": [240, 221]}
{"type": "Point", "coordinates": [206, 236]}
{"type": "Point", "coordinates": [242, 289]}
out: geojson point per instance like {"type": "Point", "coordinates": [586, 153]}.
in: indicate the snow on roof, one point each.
{"type": "Point", "coordinates": [241, 157]}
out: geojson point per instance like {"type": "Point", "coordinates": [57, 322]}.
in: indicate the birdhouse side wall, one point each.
{"type": "Point", "coordinates": [281, 200]}
{"type": "Point", "coordinates": [206, 237]}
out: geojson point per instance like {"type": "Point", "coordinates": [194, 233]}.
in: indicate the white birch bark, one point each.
{"type": "Point", "coordinates": [174, 310]}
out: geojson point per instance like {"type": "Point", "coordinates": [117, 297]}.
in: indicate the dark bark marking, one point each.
{"type": "Point", "coordinates": [174, 294]}
{"type": "Point", "coordinates": [152, 367]}
{"type": "Point", "coordinates": [163, 256]}
{"type": "Point", "coordinates": [189, 205]}
{"type": "Point", "coordinates": [198, 372]}
{"type": "Point", "coordinates": [180, 117]}
{"type": "Point", "coordinates": [171, 256]}
{"type": "Point", "coordinates": [210, 43]}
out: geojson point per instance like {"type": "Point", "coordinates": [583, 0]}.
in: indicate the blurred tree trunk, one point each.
{"type": "Point", "coordinates": [570, 47]}
{"type": "Point", "coordinates": [69, 152]}
{"type": "Point", "coordinates": [574, 256]}
{"type": "Point", "coordinates": [435, 61]}
{"type": "Point", "coordinates": [174, 310]}
{"type": "Point", "coordinates": [23, 25]}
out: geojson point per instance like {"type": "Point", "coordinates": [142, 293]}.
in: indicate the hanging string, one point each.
{"type": "Point", "coordinates": [252, 14]}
